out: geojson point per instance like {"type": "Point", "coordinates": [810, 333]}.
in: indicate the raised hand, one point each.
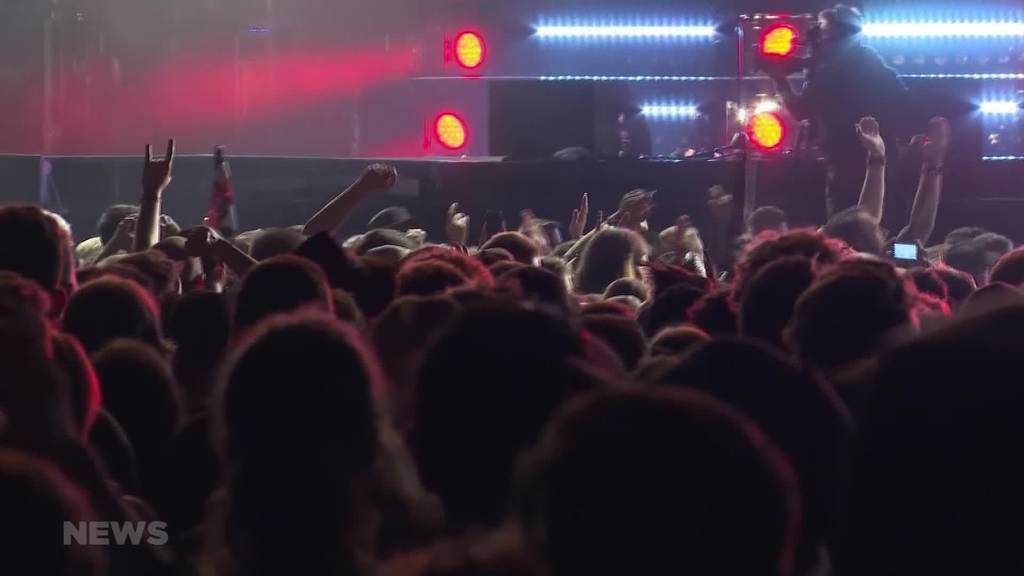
{"type": "Point", "coordinates": [456, 225]}
{"type": "Point", "coordinates": [378, 177]}
{"type": "Point", "coordinates": [124, 235]}
{"type": "Point", "coordinates": [870, 137]}
{"type": "Point", "coordinates": [156, 174]}
{"type": "Point", "coordinates": [578, 222]}
{"type": "Point", "coordinates": [199, 241]}
{"type": "Point", "coordinates": [936, 144]}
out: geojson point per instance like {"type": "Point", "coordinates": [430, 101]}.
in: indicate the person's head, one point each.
{"type": "Point", "coordinates": [1009, 269]}
{"type": "Point", "coordinates": [346, 309]}
{"type": "Point", "coordinates": [38, 502]}
{"type": "Point", "coordinates": [428, 278]}
{"type": "Point", "coordinates": [537, 285]}
{"type": "Point", "coordinates": [928, 281]}
{"type": "Point", "coordinates": [110, 308]}
{"type": "Point", "coordinates": [850, 312]}
{"type": "Point", "coordinates": [715, 313]}
{"type": "Point", "coordinates": [963, 234]}
{"type": "Point", "coordinates": [275, 242]}
{"type": "Point", "coordinates": [659, 482]}
{"type": "Point", "coordinates": [521, 247]}
{"type": "Point", "coordinates": [401, 336]}
{"type": "Point", "coordinates": [612, 253]}
{"type": "Point", "coordinates": [800, 414]}
{"type": "Point", "coordinates": [199, 324]}
{"type": "Point", "coordinates": [858, 229]}
{"type": "Point", "coordinates": [815, 246]}
{"type": "Point", "coordinates": [626, 287]}
{"type": "Point", "coordinates": [83, 384]}
{"type": "Point", "coordinates": [484, 391]}
{"type": "Point", "coordinates": [840, 22]}
{"type": "Point", "coordinates": [677, 340]}
{"type": "Point", "coordinates": [33, 245]}
{"type": "Point", "coordinates": [298, 433]}
{"type": "Point", "coordinates": [157, 268]}
{"type": "Point", "coordinates": [767, 306]}
{"type": "Point", "coordinates": [111, 218]}
{"type": "Point", "coordinates": [978, 255]}
{"type": "Point", "coordinates": [494, 255]}
{"type": "Point", "coordinates": [959, 285]}
{"type": "Point", "coordinates": [468, 266]}
{"type": "Point", "coordinates": [279, 285]}
{"type": "Point", "coordinates": [139, 391]}
{"type": "Point", "coordinates": [623, 335]}
{"type": "Point", "coordinates": [941, 453]}
{"type": "Point", "coordinates": [767, 218]}
{"type": "Point", "coordinates": [669, 308]}
{"type": "Point", "coordinates": [384, 237]}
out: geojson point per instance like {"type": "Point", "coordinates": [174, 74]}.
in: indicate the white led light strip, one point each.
{"type": "Point", "coordinates": [669, 110]}
{"type": "Point", "coordinates": [999, 107]}
{"type": "Point", "coordinates": [944, 29]}
{"type": "Point", "coordinates": [617, 32]}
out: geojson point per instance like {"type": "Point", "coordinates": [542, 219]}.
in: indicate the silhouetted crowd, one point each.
{"type": "Point", "coordinates": [796, 402]}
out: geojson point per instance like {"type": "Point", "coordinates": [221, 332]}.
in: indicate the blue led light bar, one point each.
{"type": "Point", "coordinates": [668, 111]}
{"type": "Point", "coordinates": [999, 107]}
{"type": "Point", "coordinates": [616, 30]}
{"type": "Point", "coordinates": [945, 29]}
{"type": "Point", "coordinates": [968, 76]}
{"type": "Point", "coordinates": [1001, 158]}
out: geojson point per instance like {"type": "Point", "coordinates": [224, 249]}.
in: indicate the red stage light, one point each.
{"type": "Point", "coordinates": [767, 130]}
{"type": "Point", "coordinates": [470, 50]}
{"type": "Point", "coordinates": [779, 41]}
{"type": "Point", "coordinates": [451, 131]}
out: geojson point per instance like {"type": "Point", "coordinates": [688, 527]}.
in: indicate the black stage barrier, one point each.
{"type": "Point", "coordinates": [276, 191]}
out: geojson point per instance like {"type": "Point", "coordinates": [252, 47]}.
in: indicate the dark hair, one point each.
{"type": "Point", "coordinates": [977, 255]}
{"type": "Point", "coordinates": [669, 308]}
{"type": "Point", "coordinates": [110, 308]}
{"type": "Point", "coordinates": [767, 306]}
{"type": "Point", "coordinates": [537, 285]}
{"type": "Point", "coordinates": [139, 391]}
{"type": "Point", "coordinates": [428, 278]}
{"type": "Point", "coordinates": [484, 392]}
{"type": "Point", "coordinates": [677, 340]}
{"type": "Point", "coordinates": [346, 309]}
{"type": "Point", "coordinates": [275, 242]}
{"type": "Point", "coordinates": [280, 284]}
{"type": "Point", "coordinates": [401, 336]}
{"type": "Point", "coordinates": [766, 218]}
{"type": "Point", "coordinates": [765, 249]}
{"type": "Point", "coordinates": [858, 229]}
{"type": "Point", "coordinates": [470, 267]}
{"type": "Point", "coordinates": [521, 247]}
{"type": "Point", "coordinates": [959, 285]}
{"type": "Point", "coordinates": [848, 312]}
{"type": "Point", "coordinates": [626, 287]}
{"type": "Point", "coordinates": [622, 334]}
{"type": "Point", "coordinates": [657, 482]}
{"type": "Point", "coordinates": [298, 429]}
{"type": "Point", "coordinates": [492, 256]}
{"type": "Point", "coordinates": [715, 313]}
{"type": "Point", "coordinates": [107, 225]}
{"type": "Point", "coordinates": [800, 414]}
{"type": "Point", "coordinates": [37, 499]}
{"type": "Point", "coordinates": [1010, 268]}
{"type": "Point", "coordinates": [605, 258]}
{"type": "Point", "coordinates": [928, 281]}
{"type": "Point", "coordinates": [83, 384]}
{"type": "Point", "coordinates": [156, 267]}
{"type": "Point", "coordinates": [199, 324]}
{"type": "Point", "coordinates": [32, 244]}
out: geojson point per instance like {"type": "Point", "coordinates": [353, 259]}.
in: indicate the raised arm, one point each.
{"type": "Point", "coordinates": [929, 186]}
{"type": "Point", "coordinates": [872, 195]}
{"type": "Point", "coordinates": [330, 217]}
{"type": "Point", "coordinates": [156, 176]}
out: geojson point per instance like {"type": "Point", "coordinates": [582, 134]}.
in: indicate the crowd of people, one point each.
{"type": "Point", "coordinates": [788, 403]}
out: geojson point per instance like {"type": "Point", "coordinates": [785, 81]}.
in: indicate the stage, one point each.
{"type": "Point", "coordinates": [281, 191]}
